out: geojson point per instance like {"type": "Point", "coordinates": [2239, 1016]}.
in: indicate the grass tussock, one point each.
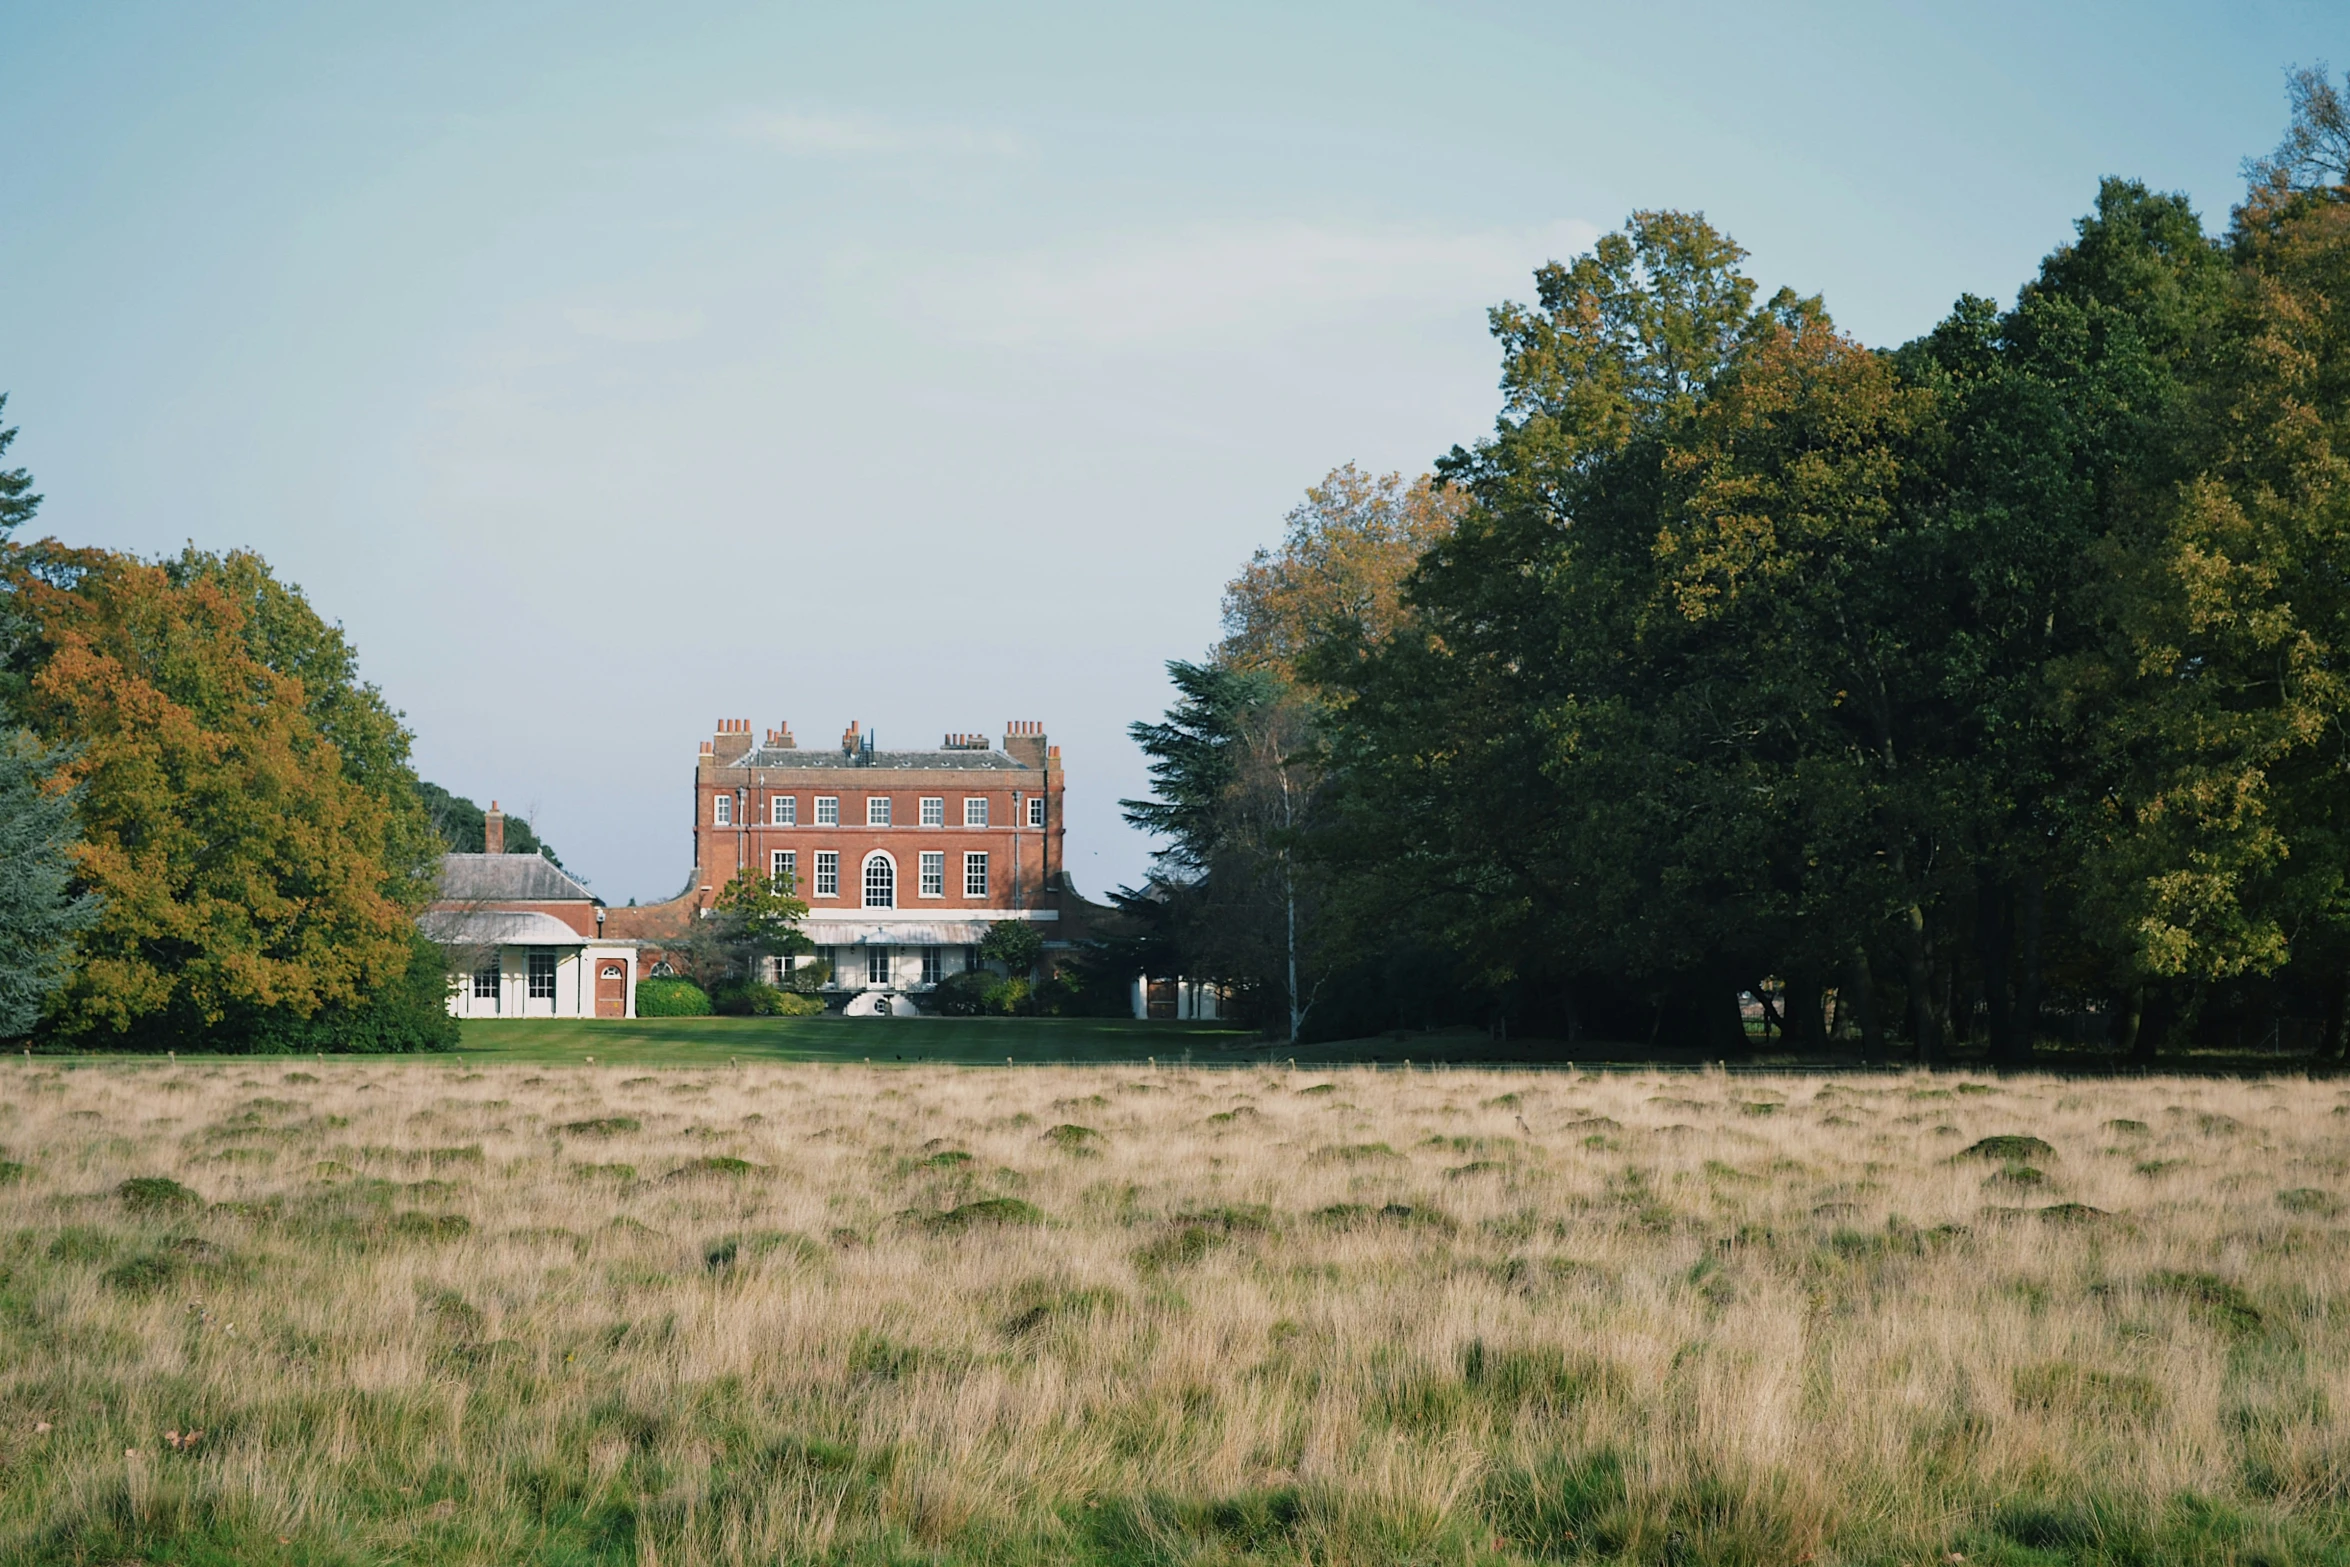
{"type": "Point", "coordinates": [370, 1312]}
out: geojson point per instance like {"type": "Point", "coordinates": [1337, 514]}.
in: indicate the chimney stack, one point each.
{"type": "Point", "coordinates": [1024, 742]}
{"type": "Point", "coordinates": [848, 739]}
{"type": "Point", "coordinates": [732, 739]}
{"type": "Point", "coordinates": [493, 830]}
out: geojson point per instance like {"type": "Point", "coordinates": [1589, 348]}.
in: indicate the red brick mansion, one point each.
{"type": "Point", "coordinates": [903, 857]}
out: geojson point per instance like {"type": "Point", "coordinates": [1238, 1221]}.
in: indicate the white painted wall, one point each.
{"type": "Point", "coordinates": [575, 984]}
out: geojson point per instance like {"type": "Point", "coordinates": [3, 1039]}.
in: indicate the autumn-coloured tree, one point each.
{"type": "Point", "coordinates": [1338, 575]}
{"type": "Point", "coordinates": [249, 823]}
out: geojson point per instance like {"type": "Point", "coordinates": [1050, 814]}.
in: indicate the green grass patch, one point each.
{"type": "Point", "coordinates": [601, 1126]}
{"type": "Point", "coordinates": [986, 1211]}
{"type": "Point", "coordinates": [2009, 1148]}
{"type": "Point", "coordinates": [156, 1194]}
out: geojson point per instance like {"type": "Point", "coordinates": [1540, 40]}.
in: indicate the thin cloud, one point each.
{"type": "Point", "coordinates": [808, 135]}
{"type": "Point", "coordinates": [642, 325]}
{"type": "Point", "coordinates": [1137, 290]}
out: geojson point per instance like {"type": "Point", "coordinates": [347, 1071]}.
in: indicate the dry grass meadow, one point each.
{"type": "Point", "coordinates": [370, 1312]}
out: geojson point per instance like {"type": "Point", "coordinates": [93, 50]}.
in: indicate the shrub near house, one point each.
{"type": "Point", "coordinates": [670, 997]}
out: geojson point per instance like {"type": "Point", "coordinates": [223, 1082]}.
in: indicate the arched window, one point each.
{"type": "Point", "coordinates": [881, 882]}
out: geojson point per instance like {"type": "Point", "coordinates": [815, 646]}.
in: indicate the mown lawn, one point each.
{"type": "Point", "coordinates": [705, 1041]}
{"type": "Point", "coordinates": [988, 1041]}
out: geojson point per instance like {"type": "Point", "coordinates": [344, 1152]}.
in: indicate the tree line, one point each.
{"type": "Point", "coordinates": [1985, 690]}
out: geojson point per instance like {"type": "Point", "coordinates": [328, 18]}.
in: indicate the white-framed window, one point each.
{"type": "Point", "coordinates": [932, 965]}
{"type": "Point", "coordinates": [542, 976]}
{"type": "Point", "coordinates": [974, 875]}
{"type": "Point", "coordinates": [881, 882]}
{"type": "Point", "coordinates": [975, 812]}
{"type": "Point", "coordinates": [784, 810]}
{"type": "Point", "coordinates": [485, 981]}
{"type": "Point", "coordinates": [784, 866]}
{"type": "Point", "coordinates": [1036, 810]}
{"type": "Point", "coordinates": [877, 810]}
{"type": "Point", "coordinates": [827, 873]}
{"type": "Point", "coordinates": [934, 811]}
{"type": "Point", "coordinates": [827, 810]}
{"type": "Point", "coordinates": [722, 810]}
{"type": "Point", "coordinates": [934, 873]}
{"type": "Point", "coordinates": [876, 964]}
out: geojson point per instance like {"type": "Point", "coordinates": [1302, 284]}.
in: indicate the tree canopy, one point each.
{"type": "Point", "coordinates": [249, 827]}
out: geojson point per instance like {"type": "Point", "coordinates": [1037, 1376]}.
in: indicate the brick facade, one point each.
{"type": "Point", "coordinates": [757, 798]}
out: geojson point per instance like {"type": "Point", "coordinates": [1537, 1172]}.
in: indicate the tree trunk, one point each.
{"type": "Point", "coordinates": [1862, 987]}
{"type": "Point", "coordinates": [1994, 940]}
{"type": "Point", "coordinates": [1726, 1026]}
{"type": "Point", "coordinates": [1924, 1023]}
{"type": "Point", "coordinates": [1297, 1016]}
{"type": "Point", "coordinates": [1806, 1026]}
{"type": "Point", "coordinates": [2137, 1039]}
{"type": "Point", "coordinates": [2027, 978]}
{"type": "Point", "coordinates": [2337, 1019]}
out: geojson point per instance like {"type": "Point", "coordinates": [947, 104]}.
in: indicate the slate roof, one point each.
{"type": "Point", "coordinates": [879, 761]}
{"type": "Point", "coordinates": [499, 927]}
{"type": "Point", "coordinates": [508, 878]}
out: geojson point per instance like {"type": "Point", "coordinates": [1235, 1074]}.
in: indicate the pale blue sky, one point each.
{"type": "Point", "coordinates": [606, 370]}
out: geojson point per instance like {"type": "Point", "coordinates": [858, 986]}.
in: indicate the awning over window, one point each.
{"type": "Point", "coordinates": [896, 933]}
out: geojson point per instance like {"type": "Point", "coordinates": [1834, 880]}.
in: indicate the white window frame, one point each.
{"type": "Point", "coordinates": [784, 862]}
{"type": "Point", "coordinates": [542, 971]}
{"type": "Point", "coordinates": [934, 810]}
{"type": "Point", "coordinates": [934, 874]}
{"type": "Point", "coordinates": [975, 873]}
{"type": "Point", "coordinates": [934, 965]}
{"type": "Point", "coordinates": [488, 980]}
{"type": "Point", "coordinates": [878, 958]}
{"type": "Point", "coordinates": [784, 811]}
{"type": "Point", "coordinates": [877, 811]}
{"type": "Point", "coordinates": [1036, 810]}
{"type": "Point", "coordinates": [722, 810]}
{"type": "Point", "coordinates": [828, 810]}
{"type": "Point", "coordinates": [865, 880]}
{"type": "Point", "coordinates": [828, 873]}
{"type": "Point", "coordinates": [975, 810]}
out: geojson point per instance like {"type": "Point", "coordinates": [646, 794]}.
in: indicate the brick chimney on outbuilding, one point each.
{"type": "Point", "coordinates": [493, 830]}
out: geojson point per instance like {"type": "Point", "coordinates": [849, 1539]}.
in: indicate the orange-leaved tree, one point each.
{"type": "Point", "coordinates": [251, 874]}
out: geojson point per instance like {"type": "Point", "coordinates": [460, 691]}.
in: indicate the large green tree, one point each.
{"type": "Point", "coordinates": [40, 909]}
{"type": "Point", "coordinates": [249, 820]}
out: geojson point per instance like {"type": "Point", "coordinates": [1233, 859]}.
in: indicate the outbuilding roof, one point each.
{"type": "Point", "coordinates": [508, 878]}
{"type": "Point", "coordinates": [502, 928]}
